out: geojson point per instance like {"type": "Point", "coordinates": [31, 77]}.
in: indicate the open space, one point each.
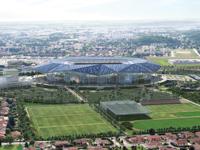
{"type": "Point", "coordinates": [55, 120]}
{"type": "Point", "coordinates": [165, 116]}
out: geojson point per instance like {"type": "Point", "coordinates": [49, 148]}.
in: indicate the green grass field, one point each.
{"type": "Point", "coordinates": [163, 61]}
{"type": "Point", "coordinates": [166, 123]}
{"type": "Point", "coordinates": [176, 115]}
{"type": "Point", "coordinates": [55, 120]}
{"type": "Point", "coordinates": [11, 147]}
{"type": "Point", "coordinates": [170, 111]}
{"type": "Point", "coordinates": [188, 114]}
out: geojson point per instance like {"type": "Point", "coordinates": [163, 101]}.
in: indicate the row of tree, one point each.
{"type": "Point", "coordinates": [152, 131]}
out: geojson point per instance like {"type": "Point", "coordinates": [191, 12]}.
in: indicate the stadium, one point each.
{"type": "Point", "coordinates": [98, 70]}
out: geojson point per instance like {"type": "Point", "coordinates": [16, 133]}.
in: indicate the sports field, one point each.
{"type": "Point", "coordinates": [72, 119]}
{"type": "Point", "coordinates": [176, 115]}
{"type": "Point", "coordinates": [163, 61]}
{"type": "Point", "coordinates": [184, 53]}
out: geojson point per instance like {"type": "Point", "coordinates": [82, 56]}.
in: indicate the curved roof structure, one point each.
{"type": "Point", "coordinates": [99, 65]}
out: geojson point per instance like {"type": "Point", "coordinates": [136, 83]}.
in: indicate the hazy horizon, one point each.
{"type": "Point", "coordinates": [99, 10]}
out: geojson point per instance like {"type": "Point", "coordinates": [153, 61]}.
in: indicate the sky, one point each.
{"type": "Point", "coordinates": [61, 10]}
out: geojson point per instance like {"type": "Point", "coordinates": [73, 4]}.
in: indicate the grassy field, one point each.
{"type": "Point", "coordinates": [171, 111]}
{"type": "Point", "coordinates": [55, 120]}
{"type": "Point", "coordinates": [11, 147]}
{"type": "Point", "coordinates": [176, 115]}
{"type": "Point", "coordinates": [166, 123]}
{"type": "Point", "coordinates": [163, 61]}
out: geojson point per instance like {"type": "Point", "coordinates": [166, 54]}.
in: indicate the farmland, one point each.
{"type": "Point", "coordinates": [58, 120]}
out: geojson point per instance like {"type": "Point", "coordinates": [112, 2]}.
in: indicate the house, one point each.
{"type": "Point", "coordinates": [136, 139]}
{"type": "Point", "coordinates": [154, 138]}
{"type": "Point", "coordinates": [103, 142]}
{"type": "Point", "coordinates": [96, 148]}
{"type": "Point", "coordinates": [153, 145]}
{"type": "Point", "coordinates": [171, 136]}
{"type": "Point", "coordinates": [180, 143]}
{"type": "Point", "coordinates": [15, 134]}
{"type": "Point", "coordinates": [186, 135]}
{"type": "Point", "coordinates": [70, 148]}
{"type": "Point", "coordinates": [82, 142]}
{"type": "Point", "coordinates": [195, 140]}
{"type": "Point", "coordinates": [166, 148]}
{"type": "Point", "coordinates": [197, 134]}
{"type": "Point", "coordinates": [61, 144]}
{"type": "Point", "coordinates": [196, 146]}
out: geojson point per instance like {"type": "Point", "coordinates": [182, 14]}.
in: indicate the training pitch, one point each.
{"type": "Point", "coordinates": [165, 116]}
{"type": "Point", "coordinates": [72, 119]}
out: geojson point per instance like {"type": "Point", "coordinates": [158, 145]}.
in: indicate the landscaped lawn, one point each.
{"type": "Point", "coordinates": [72, 119]}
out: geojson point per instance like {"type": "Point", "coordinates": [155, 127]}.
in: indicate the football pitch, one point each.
{"type": "Point", "coordinates": [165, 116]}
{"type": "Point", "coordinates": [72, 119]}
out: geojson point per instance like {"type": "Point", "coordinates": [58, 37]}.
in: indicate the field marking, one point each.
{"type": "Point", "coordinates": [195, 50]}
{"type": "Point", "coordinates": [87, 124]}
{"type": "Point", "coordinates": [26, 109]}
{"type": "Point", "coordinates": [63, 115]}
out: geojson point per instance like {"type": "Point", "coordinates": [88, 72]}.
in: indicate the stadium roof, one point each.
{"type": "Point", "coordinates": [99, 65]}
{"type": "Point", "coordinates": [124, 107]}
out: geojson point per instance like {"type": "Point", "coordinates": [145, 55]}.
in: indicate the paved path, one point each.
{"type": "Point", "coordinates": [189, 101]}
{"type": "Point", "coordinates": [195, 50]}
{"type": "Point", "coordinates": [80, 98]}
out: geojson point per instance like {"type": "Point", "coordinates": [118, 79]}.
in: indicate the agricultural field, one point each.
{"type": "Point", "coordinates": [41, 95]}
{"type": "Point", "coordinates": [71, 119]}
{"type": "Point", "coordinates": [165, 116]}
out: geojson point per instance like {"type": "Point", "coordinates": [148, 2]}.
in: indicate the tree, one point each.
{"type": "Point", "coordinates": [152, 131]}
{"type": "Point", "coordinates": [9, 139]}
{"type": "Point", "coordinates": [26, 145]}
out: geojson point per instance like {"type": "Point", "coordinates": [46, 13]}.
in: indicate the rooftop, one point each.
{"type": "Point", "coordinates": [124, 107]}
{"type": "Point", "coordinates": [99, 65]}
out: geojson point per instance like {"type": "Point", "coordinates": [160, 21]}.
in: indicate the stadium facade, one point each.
{"type": "Point", "coordinates": [98, 70]}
